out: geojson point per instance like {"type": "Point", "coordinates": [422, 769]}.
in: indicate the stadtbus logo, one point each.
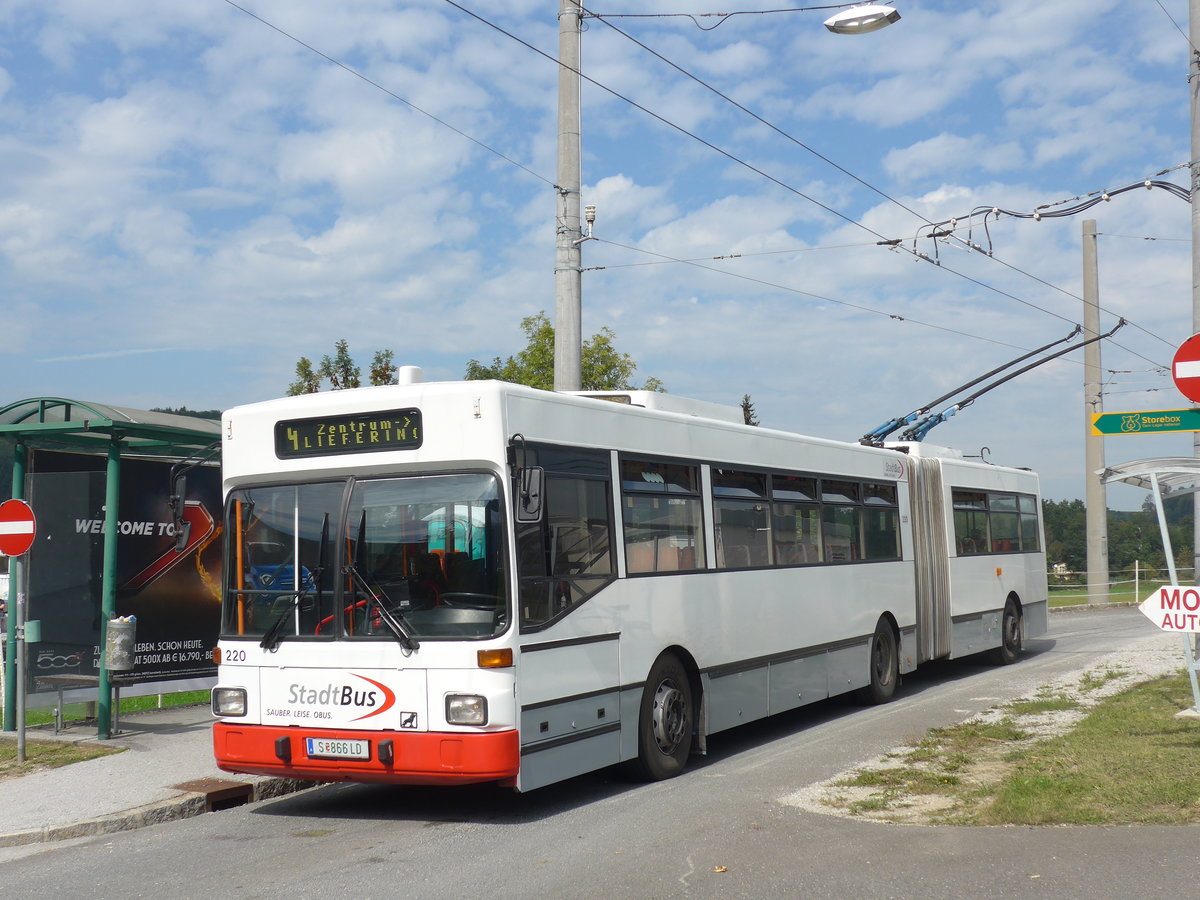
{"type": "Point", "coordinates": [342, 696]}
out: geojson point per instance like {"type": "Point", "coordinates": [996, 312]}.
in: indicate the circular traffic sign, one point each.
{"type": "Point", "coordinates": [17, 527]}
{"type": "Point", "coordinates": [1185, 368]}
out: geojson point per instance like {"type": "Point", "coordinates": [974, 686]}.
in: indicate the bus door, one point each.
{"type": "Point", "coordinates": [568, 676]}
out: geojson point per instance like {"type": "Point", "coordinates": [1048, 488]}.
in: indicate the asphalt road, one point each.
{"type": "Point", "coordinates": [723, 829]}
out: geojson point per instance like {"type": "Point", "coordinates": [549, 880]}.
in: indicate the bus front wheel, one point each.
{"type": "Point", "coordinates": [665, 722]}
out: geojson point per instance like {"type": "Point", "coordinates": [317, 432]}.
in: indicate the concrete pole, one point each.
{"type": "Point", "coordinates": [568, 257]}
{"type": "Point", "coordinates": [1194, 96]}
{"type": "Point", "coordinates": [1093, 403]}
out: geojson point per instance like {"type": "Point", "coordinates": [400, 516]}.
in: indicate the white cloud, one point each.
{"type": "Point", "coordinates": [182, 172]}
{"type": "Point", "coordinates": [937, 157]}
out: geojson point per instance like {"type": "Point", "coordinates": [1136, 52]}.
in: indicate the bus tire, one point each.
{"type": "Point", "coordinates": [885, 666]}
{"type": "Point", "coordinates": [1012, 635]}
{"type": "Point", "coordinates": [665, 721]}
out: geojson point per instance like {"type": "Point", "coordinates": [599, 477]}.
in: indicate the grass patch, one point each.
{"type": "Point", "coordinates": [46, 755]}
{"type": "Point", "coordinates": [1122, 592]}
{"type": "Point", "coordinates": [1128, 761]}
{"type": "Point", "coordinates": [967, 738]}
{"type": "Point", "coordinates": [75, 712]}
{"type": "Point", "coordinates": [1092, 681]}
{"type": "Point", "coordinates": [877, 803]}
{"type": "Point", "coordinates": [1040, 705]}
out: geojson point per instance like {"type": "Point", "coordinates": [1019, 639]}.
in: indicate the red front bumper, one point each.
{"type": "Point", "coordinates": [411, 758]}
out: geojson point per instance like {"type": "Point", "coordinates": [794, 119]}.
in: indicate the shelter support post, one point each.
{"type": "Point", "coordinates": [1166, 477]}
{"type": "Point", "coordinates": [108, 584]}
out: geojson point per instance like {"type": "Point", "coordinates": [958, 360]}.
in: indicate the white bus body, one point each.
{"type": "Point", "coordinates": [683, 575]}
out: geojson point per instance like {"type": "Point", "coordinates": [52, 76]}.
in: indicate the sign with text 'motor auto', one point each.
{"type": "Point", "coordinates": [1174, 607]}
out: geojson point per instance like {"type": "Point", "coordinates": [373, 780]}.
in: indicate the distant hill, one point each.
{"type": "Point", "coordinates": [184, 411]}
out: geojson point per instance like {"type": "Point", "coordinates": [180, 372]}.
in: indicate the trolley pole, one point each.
{"type": "Point", "coordinates": [568, 257]}
{"type": "Point", "coordinates": [1093, 402]}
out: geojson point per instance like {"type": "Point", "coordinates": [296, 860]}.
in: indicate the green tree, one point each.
{"type": "Point", "coordinates": [748, 414]}
{"type": "Point", "coordinates": [1132, 536]}
{"type": "Point", "coordinates": [383, 370]}
{"type": "Point", "coordinates": [307, 380]}
{"type": "Point", "coordinates": [603, 367]}
{"type": "Point", "coordinates": [1065, 523]}
{"type": "Point", "coordinates": [341, 371]}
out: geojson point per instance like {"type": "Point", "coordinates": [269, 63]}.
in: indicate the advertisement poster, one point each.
{"type": "Point", "coordinates": [173, 596]}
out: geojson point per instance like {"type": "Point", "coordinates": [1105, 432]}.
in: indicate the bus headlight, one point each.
{"type": "Point", "coordinates": [228, 702]}
{"type": "Point", "coordinates": [466, 709]}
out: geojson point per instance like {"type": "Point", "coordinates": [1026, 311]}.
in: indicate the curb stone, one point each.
{"type": "Point", "coordinates": [185, 806]}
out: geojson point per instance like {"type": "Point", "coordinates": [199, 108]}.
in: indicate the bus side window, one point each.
{"type": "Point", "coordinates": [664, 522]}
{"type": "Point", "coordinates": [567, 556]}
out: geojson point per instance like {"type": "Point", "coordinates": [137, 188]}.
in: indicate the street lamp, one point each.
{"type": "Point", "coordinates": [569, 236]}
{"type": "Point", "coordinates": [862, 19]}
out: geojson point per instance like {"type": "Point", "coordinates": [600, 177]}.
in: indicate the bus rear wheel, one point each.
{"type": "Point", "coordinates": [1012, 635]}
{"type": "Point", "coordinates": [665, 721]}
{"type": "Point", "coordinates": [885, 666]}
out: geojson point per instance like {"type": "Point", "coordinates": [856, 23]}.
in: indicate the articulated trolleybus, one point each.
{"type": "Point", "coordinates": [449, 583]}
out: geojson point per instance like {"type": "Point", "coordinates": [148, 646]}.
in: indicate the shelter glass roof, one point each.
{"type": "Point", "coordinates": [84, 426]}
{"type": "Point", "coordinates": [1176, 475]}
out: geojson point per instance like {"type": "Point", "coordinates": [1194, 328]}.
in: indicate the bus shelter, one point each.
{"type": "Point", "coordinates": [1165, 478]}
{"type": "Point", "coordinates": [117, 435]}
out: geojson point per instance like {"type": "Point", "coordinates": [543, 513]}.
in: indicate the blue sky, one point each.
{"type": "Point", "coordinates": [191, 200]}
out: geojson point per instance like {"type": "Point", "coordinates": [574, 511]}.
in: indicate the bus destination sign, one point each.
{"type": "Point", "coordinates": [397, 429]}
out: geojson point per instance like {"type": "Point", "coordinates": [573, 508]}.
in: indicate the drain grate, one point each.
{"type": "Point", "coordinates": [218, 793]}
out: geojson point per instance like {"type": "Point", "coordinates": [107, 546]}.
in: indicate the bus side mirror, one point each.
{"type": "Point", "coordinates": [530, 480]}
{"type": "Point", "coordinates": [176, 502]}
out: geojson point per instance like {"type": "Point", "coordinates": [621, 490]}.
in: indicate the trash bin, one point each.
{"type": "Point", "coordinates": [118, 644]}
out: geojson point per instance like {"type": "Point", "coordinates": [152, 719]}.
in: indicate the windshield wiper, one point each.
{"type": "Point", "coordinates": [274, 634]}
{"type": "Point", "coordinates": [394, 621]}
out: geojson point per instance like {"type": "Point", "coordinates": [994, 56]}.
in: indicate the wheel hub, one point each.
{"type": "Point", "coordinates": [669, 718]}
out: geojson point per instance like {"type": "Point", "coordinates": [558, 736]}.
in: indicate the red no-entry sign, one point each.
{"type": "Point", "coordinates": [17, 527]}
{"type": "Point", "coordinates": [1185, 368]}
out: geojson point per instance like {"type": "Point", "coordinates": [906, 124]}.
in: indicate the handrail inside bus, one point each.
{"type": "Point", "coordinates": [241, 567]}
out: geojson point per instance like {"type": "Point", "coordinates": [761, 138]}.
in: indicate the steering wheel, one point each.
{"type": "Point", "coordinates": [469, 600]}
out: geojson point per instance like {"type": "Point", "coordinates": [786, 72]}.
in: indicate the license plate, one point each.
{"type": "Point", "coordinates": [337, 748]}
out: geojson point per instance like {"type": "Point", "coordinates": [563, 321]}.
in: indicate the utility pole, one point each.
{"type": "Point", "coordinates": [569, 236]}
{"type": "Point", "coordinates": [1093, 402]}
{"type": "Point", "coordinates": [1194, 92]}
{"type": "Point", "coordinates": [568, 256]}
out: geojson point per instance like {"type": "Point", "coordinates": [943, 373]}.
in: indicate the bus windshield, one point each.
{"type": "Point", "coordinates": [423, 551]}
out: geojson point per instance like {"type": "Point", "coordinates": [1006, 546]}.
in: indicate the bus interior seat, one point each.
{"type": "Point", "coordinates": [737, 556]}
{"type": "Point", "coordinates": [460, 575]}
